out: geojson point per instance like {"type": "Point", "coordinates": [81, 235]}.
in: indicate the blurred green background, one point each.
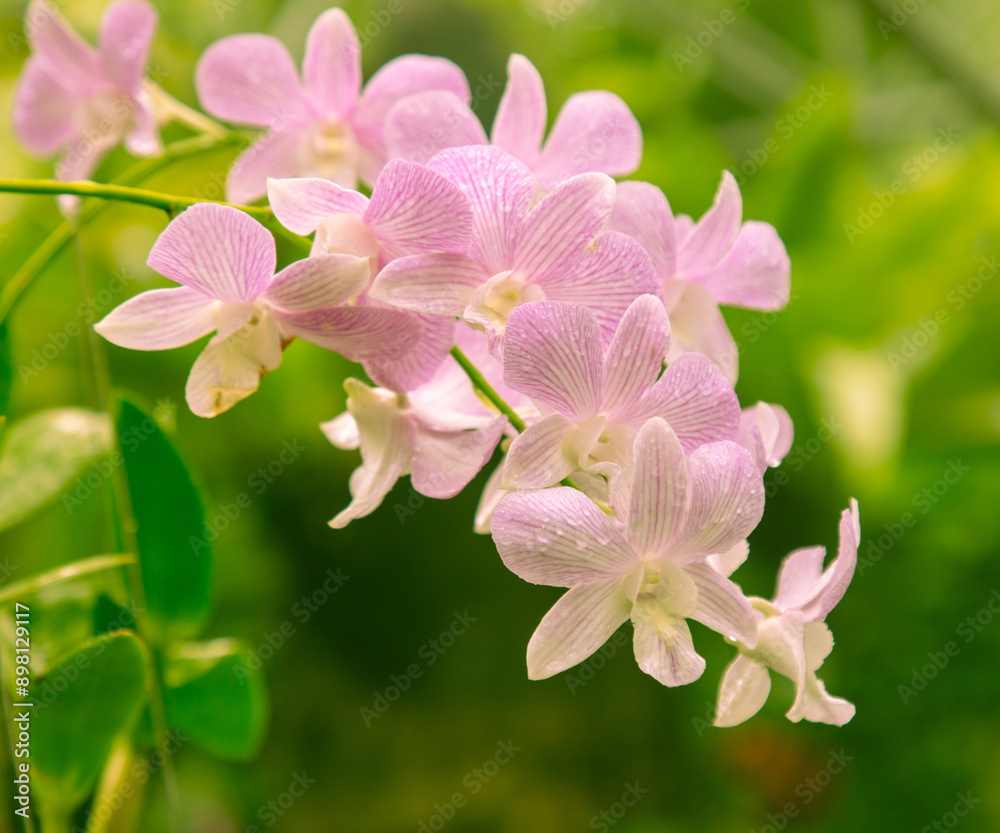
{"type": "Point", "coordinates": [867, 134]}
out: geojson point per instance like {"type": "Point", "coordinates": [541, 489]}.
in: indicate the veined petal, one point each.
{"type": "Point", "coordinates": [766, 431]}
{"type": "Point", "coordinates": [559, 537]}
{"type": "Point", "coordinates": [159, 319]}
{"type": "Point", "coordinates": [607, 277]}
{"type": "Point", "coordinates": [419, 126]}
{"type": "Point", "coordinates": [491, 496]}
{"type": "Point", "coordinates": [664, 649]}
{"type": "Point", "coordinates": [249, 79]}
{"type": "Point", "coordinates": [415, 210]}
{"type": "Point", "coordinates": [634, 359]}
{"type": "Point", "coordinates": [358, 333]}
{"type": "Point", "coordinates": [445, 461]}
{"type": "Point", "coordinates": [642, 212]}
{"type": "Point", "coordinates": [800, 578]}
{"type": "Point", "coordinates": [838, 575]}
{"type": "Point", "coordinates": [218, 250]}
{"type": "Point", "coordinates": [43, 109]}
{"type": "Point", "coordinates": [386, 437]}
{"type": "Point", "coordinates": [722, 605]}
{"type": "Point", "coordinates": [500, 190]}
{"type": "Point", "coordinates": [549, 450]}
{"type": "Point", "coordinates": [443, 284]}
{"type": "Point", "coordinates": [755, 273]}
{"type": "Point", "coordinates": [332, 63]}
{"type": "Point", "coordinates": [695, 398]}
{"type": "Point", "coordinates": [698, 325]}
{"type": "Point", "coordinates": [230, 369]}
{"type": "Point", "coordinates": [726, 563]}
{"type": "Point", "coordinates": [301, 204]}
{"type": "Point", "coordinates": [659, 495]}
{"type": "Point", "coordinates": [742, 693]}
{"type": "Point", "coordinates": [275, 154]}
{"type": "Point", "coordinates": [578, 624]}
{"type": "Point", "coordinates": [519, 125]}
{"type": "Point", "coordinates": [553, 353]}
{"type": "Point", "coordinates": [318, 281]}
{"type": "Point", "coordinates": [127, 30]}
{"type": "Point", "coordinates": [405, 76]}
{"type": "Point", "coordinates": [409, 366]}
{"type": "Point", "coordinates": [715, 232]}
{"type": "Point", "coordinates": [563, 224]}
{"type": "Point", "coordinates": [57, 45]}
{"type": "Point", "coordinates": [594, 131]}
{"type": "Point", "coordinates": [726, 503]}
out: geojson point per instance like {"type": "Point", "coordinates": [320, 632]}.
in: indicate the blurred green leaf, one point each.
{"type": "Point", "coordinates": [213, 696]}
{"type": "Point", "coordinates": [6, 371]}
{"type": "Point", "coordinates": [101, 688]}
{"type": "Point", "coordinates": [43, 453]}
{"type": "Point", "coordinates": [176, 573]}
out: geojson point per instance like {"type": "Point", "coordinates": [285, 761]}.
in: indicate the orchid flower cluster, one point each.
{"type": "Point", "coordinates": [500, 291]}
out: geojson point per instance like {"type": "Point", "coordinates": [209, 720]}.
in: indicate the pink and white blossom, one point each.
{"type": "Point", "coordinates": [652, 570]}
{"type": "Point", "coordinates": [596, 398]}
{"type": "Point", "coordinates": [767, 432]}
{"type": "Point", "coordinates": [594, 131]}
{"type": "Point", "coordinates": [322, 124]}
{"type": "Point", "coordinates": [718, 260]}
{"type": "Point", "coordinates": [792, 637]}
{"type": "Point", "coordinates": [84, 101]}
{"type": "Point", "coordinates": [225, 261]}
{"type": "Point", "coordinates": [557, 249]}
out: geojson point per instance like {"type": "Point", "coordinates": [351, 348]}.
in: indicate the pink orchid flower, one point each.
{"type": "Point", "coordinates": [792, 638]}
{"type": "Point", "coordinates": [323, 125]}
{"type": "Point", "coordinates": [594, 132]}
{"type": "Point", "coordinates": [766, 431]}
{"type": "Point", "coordinates": [717, 260]}
{"type": "Point", "coordinates": [556, 250]}
{"type": "Point", "coordinates": [82, 100]}
{"type": "Point", "coordinates": [413, 210]}
{"type": "Point", "coordinates": [652, 571]}
{"type": "Point", "coordinates": [440, 434]}
{"type": "Point", "coordinates": [596, 399]}
{"type": "Point", "coordinates": [225, 261]}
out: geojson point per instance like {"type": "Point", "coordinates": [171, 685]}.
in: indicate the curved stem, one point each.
{"type": "Point", "coordinates": [479, 383]}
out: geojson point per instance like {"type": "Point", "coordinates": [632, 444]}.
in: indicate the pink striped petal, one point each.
{"type": "Point", "coordinates": [301, 204]}
{"type": "Point", "coordinates": [722, 605]}
{"type": "Point", "coordinates": [491, 496]}
{"type": "Point", "coordinates": [642, 212]}
{"type": "Point", "coordinates": [405, 76]}
{"type": "Point", "coordinates": [559, 537]}
{"type": "Point", "coordinates": [250, 79]}
{"type": "Point", "coordinates": [594, 131]}
{"type": "Point", "coordinates": [56, 45]}
{"type": "Point", "coordinates": [332, 63]}
{"type": "Point", "coordinates": [549, 450]}
{"type": "Point", "coordinates": [445, 462]}
{"type": "Point", "coordinates": [159, 319]}
{"type": "Point", "coordinates": [726, 503]}
{"type": "Point", "coordinates": [742, 692]}
{"type": "Point", "coordinates": [419, 126]}
{"type": "Point", "coordinates": [411, 364]}
{"type": "Point", "coordinates": [144, 137]}
{"type": "Point", "coordinates": [664, 650]}
{"type": "Point", "coordinates": [358, 333]}
{"type": "Point", "coordinates": [755, 273]}
{"type": "Point", "coordinates": [500, 190]}
{"type": "Point", "coordinates": [319, 281]}
{"type": "Point", "coordinates": [275, 154]}
{"type": "Point", "coordinates": [715, 233]}
{"type": "Point", "coordinates": [442, 284]}
{"type": "Point", "coordinates": [658, 499]}
{"type": "Point", "coordinates": [634, 359]}
{"type": "Point", "coordinates": [698, 325]}
{"type": "Point", "coordinates": [43, 109]}
{"type": "Point", "coordinates": [519, 125]}
{"type": "Point", "coordinates": [838, 575]}
{"type": "Point", "coordinates": [697, 401]}
{"type": "Point", "coordinates": [766, 431]}
{"type": "Point", "coordinates": [563, 224]}
{"type": "Point", "coordinates": [415, 210]}
{"type": "Point", "coordinates": [127, 30]}
{"type": "Point", "coordinates": [553, 353]}
{"type": "Point", "coordinates": [218, 250]}
{"type": "Point", "coordinates": [800, 578]}
{"type": "Point", "coordinates": [607, 277]}
{"type": "Point", "coordinates": [578, 624]}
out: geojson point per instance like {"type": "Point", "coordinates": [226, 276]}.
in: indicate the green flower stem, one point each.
{"type": "Point", "coordinates": [486, 389]}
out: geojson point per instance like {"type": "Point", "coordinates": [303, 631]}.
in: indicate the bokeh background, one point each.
{"type": "Point", "coordinates": [866, 132]}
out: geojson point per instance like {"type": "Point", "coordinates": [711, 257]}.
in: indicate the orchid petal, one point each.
{"type": "Point", "coordinates": [43, 109]}
{"type": "Point", "coordinates": [127, 30]}
{"type": "Point", "coordinates": [419, 126]}
{"type": "Point", "coordinates": [443, 284]}
{"type": "Point", "coordinates": [410, 365]}
{"type": "Point", "coordinates": [332, 63]}
{"type": "Point", "coordinates": [445, 462]}
{"type": "Point", "coordinates": [722, 605]}
{"type": "Point", "coordinates": [659, 494]}
{"type": "Point", "coordinates": [300, 205]}
{"type": "Point", "coordinates": [358, 333]}
{"type": "Point", "coordinates": [715, 232]}
{"type": "Point", "coordinates": [755, 273]}
{"type": "Point", "coordinates": [159, 319]}
{"type": "Point", "coordinates": [642, 212]}
{"type": "Point", "coordinates": [743, 691]}
{"type": "Point", "coordinates": [519, 125]}
{"type": "Point", "coordinates": [664, 649]}
{"type": "Point", "coordinates": [274, 154]}
{"type": "Point", "coordinates": [318, 281]}
{"type": "Point", "coordinates": [634, 359]}
{"type": "Point", "coordinates": [549, 450]}
{"type": "Point", "coordinates": [57, 45]}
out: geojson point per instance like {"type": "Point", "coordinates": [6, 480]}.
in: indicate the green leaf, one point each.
{"type": "Point", "coordinates": [6, 370]}
{"type": "Point", "coordinates": [173, 553]}
{"type": "Point", "coordinates": [213, 696]}
{"type": "Point", "coordinates": [102, 688]}
{"type": "Point", "coordinates": [42, 453]}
